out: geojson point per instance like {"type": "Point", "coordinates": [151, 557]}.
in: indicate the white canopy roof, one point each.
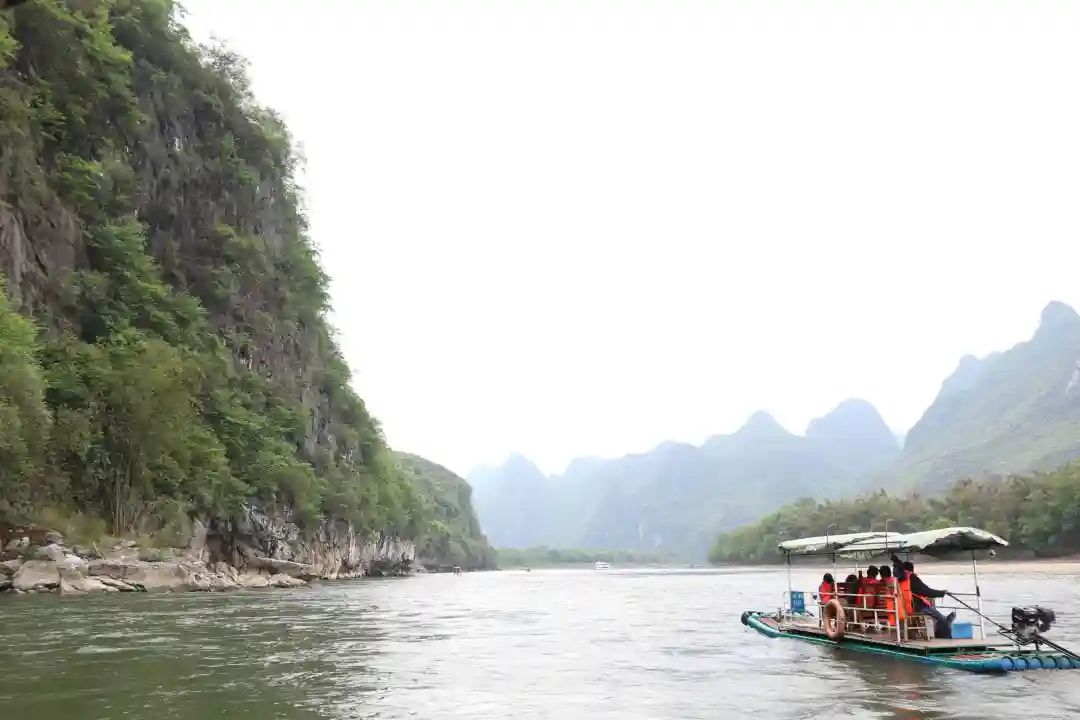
{"type": "Point", "coordinates": [867, 544]}
{"type": "Point", "coordinates": [928, 542]}
{"type": "Point", "coordinates": [824, 543]}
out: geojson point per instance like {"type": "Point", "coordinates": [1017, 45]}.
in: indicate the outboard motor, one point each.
{"type": "Point", "coordinates": [1028, 623]}
{"type": "Point", "coordinates": [1028, 626]}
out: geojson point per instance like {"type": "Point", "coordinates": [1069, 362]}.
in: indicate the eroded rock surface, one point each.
{"type": "Point", "coordinates": [37, 575]}
{"type": "Point", "coordinates": [257, 551]}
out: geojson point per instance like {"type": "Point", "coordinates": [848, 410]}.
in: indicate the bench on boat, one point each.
{"type": "Point", "coordinates": [864, 613]}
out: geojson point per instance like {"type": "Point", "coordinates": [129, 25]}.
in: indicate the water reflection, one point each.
{"type": "Point", "coordinates": [896, 690]}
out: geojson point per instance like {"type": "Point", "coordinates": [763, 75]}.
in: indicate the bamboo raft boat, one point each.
{"type": "Point", "coordinates": [1021, 646]}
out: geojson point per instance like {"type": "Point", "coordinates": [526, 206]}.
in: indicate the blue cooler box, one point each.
{"type": "Point", "coordinates": [963, 631]}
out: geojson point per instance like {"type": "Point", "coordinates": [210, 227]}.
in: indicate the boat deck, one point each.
{"type": "Point", "coordinates": [993, 656]}
{"type": "Point", "coordinates": [810, 627]}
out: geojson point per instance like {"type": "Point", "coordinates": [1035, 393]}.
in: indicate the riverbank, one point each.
{"type": "Point", "coordinates": [55, 567]}
{"type": "Point", "coordinates": [257, 551]}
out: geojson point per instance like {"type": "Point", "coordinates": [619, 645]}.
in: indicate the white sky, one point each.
{"type": "Point", "coordinates": [582, 227]}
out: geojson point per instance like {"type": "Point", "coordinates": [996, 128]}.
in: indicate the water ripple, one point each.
{"type": "Point", "coordinates": [557, 644]}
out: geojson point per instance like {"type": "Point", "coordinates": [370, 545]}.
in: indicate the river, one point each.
{"type": "Point", "coordinates": [544, 644]}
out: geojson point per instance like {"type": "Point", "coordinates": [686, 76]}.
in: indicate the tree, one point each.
{"type": "Point", "coordinates": [24, 417]}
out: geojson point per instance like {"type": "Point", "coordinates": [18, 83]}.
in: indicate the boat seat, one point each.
{"type": "Point", "coordinates": [846, 592]}
{"type": "Point", "coordinates": [919, 627]}
{"type": "Point", "coordinates": [868, 619]}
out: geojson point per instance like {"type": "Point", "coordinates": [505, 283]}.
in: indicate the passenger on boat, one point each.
{"type": "Point", "coordinates": [868, 593]}
{"type": "Point", "coordinates": [851, 590]}
{"type": "Point", "coordinates": [917, 596]}
{"type": "Point", "coordinates": [869, 581]}
{"type": "Point", "coordinates": [888, 592]}
{"type": "Point", "coordinates": [827, 589]}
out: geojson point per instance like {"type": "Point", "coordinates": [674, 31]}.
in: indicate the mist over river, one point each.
{"type": "Point", "coordinates": [544, 644]}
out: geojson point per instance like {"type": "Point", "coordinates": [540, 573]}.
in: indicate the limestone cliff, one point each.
{"type": "Point", "coordinates": [256, 541]}
{"type": "Point", "coordinates": [452, 534]}
{"type": "Point", "coordinates": [180, 366]}
{"type": "Point", "coordinates": [1015, 411]}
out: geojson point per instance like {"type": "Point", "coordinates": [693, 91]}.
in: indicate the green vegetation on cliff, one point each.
{"type": "Point", "coordinates": [178, 362]}
{"type": "Point", "coordinates": [451, 534]}
{"type": "Point", "coordinates": [1013, 412]}
{"type": "Point", "coordinates": [1038, 514]}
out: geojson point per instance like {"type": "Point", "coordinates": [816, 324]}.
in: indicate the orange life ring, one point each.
{"type": "Point", "coordinates": [833, 617]}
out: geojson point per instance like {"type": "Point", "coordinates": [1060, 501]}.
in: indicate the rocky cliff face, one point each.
{"type": "Point", "coordinates": [452, 537]}
{"type": "Point", "coordinates": [254, 551]}
{"type": "Point", "coordinates": [1015, 411]}
{"type": "Point", "coordinates": [257, 541]}
{"type": "Point", "coordinates": [151, 224]}
{"type": "Point", "coordinates": [38, 247]}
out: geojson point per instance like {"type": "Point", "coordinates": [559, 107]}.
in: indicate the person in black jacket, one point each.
{"type": "Point", "coordinates": [920, 594]}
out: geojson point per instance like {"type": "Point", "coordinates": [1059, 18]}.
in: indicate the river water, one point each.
{"type": "Point", "coordinates": [545, 644]}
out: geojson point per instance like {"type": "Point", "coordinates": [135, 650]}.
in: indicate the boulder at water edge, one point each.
{"type": "Point", "coordinates": [121, 568]}
{"type": "Point", "coordinates": [282, 580]}
{"type": "Point", "coordinates": [49, 552]}
{"type": "Point", "coordinates": [36, 575]}
{"type": "Point", "coordinates": [161, 577]}
{"type": "Point", "coordinates": [17, 544]}
{"type": "Point", "coordinates": [73, 582]}
{"type": "Point", "coordinates": [116, 584]}
{"type": "Point", "coordinates": [253, 580]}
{"type": "Point", "coordinates": [282, 567]}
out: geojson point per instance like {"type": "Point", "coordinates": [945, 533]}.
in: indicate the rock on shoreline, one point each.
{"type": "Point", "coordinates": [259, 552]}
{"type": "Point", "coordinates": [258, 540]}
{"type": "Point", "coordinates": [76, 575]}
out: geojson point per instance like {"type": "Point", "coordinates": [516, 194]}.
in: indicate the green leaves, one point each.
{"type": "Point", "coordinates": [443, 520]}
{"type": "Point", "coordinates": [83, 73]}
{"type": "Point", "coordinates": [24, 418]}
{"type": "Point", "coordinates": [1038, 513]}
{"type": "Point", "coordinates": [8, 44]}
{"type": "Point", "coordinates": [187, 366]}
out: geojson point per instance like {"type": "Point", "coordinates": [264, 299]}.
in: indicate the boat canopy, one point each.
{"type": "Point", "coordinates": [825, 544]}
{"type": "Point", "coordinates": [928, 542]}
{"type": "Point", "coordinates": [868, 544]}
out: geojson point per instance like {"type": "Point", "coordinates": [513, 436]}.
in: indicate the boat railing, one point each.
{"type": "Point", "coordinates": [796, 603]}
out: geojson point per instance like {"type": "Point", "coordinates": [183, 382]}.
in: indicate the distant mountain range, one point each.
{"type": "Point", "coordinates": [677, 496]}
{"type": "Point", "coordinates": [1009, 412]}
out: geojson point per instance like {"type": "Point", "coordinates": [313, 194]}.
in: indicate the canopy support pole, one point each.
{"type": "Point", "coordinates": [787, 556]}
{"type": "Point", "coordinates": [978, 597]}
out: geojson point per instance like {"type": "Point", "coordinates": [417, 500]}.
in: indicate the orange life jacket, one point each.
{"type": "Point", "coordinates": [826, 592]}
{"type": "Point", "coordinates": [905, 591]}
{"type": "Point", "coordinates": [868, 591]}
{"type": "Point", "coordinates": [889, 596]}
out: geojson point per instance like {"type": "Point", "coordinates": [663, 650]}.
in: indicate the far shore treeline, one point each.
{"type": "Point", "coordinates": [1038, 514]}
{"type": "Point", "coordinates": [513, 558]}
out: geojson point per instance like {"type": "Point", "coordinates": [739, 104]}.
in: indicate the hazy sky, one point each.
{"type": "Point", "coordinates": [580, 228]}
